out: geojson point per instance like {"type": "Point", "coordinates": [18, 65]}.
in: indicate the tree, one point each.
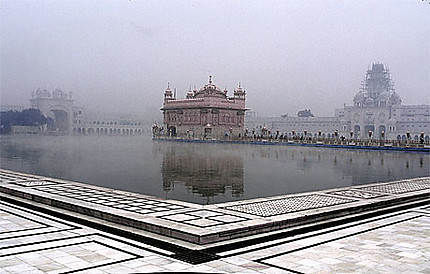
{"type": "Point", "coordinates": [7, 120]}
{"type": "Point", "coordinates": [305, 113]}
{"type": "Point", "coordinates": [31, 117]}
{"type": "Point", "coordinates": [27, 117]}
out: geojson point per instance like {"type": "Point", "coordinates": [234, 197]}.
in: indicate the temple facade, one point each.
{"type": "Point", "coordinates": [204, 113]}
{"type": "Point", "coordinates": [375, 106]}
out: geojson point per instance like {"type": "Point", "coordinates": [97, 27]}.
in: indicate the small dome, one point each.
{"type": "Point", "coordinates": [395, 99]}
{"type": "Point", "coordinates": [239, 88]}
{"type": "Point", "coordinates": [190, 94]}
{"type": "Point", "coordinates": [168, 93]}
{"type": "Point", "coordinates": [225, 91]}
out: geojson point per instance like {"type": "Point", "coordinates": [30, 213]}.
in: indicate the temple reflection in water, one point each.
{"type": "Point", "coordinates": [218, 172]}
{"type": "Point", "coordinates": [205, 173]}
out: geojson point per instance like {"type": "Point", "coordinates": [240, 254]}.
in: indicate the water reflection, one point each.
{"type": "Point", "coordinates": [32, 158]}
{"type": "Point", "coordinates": [205, 173]}
{"type": "Point", "coordinates": [297, 169]}
{"type": "Point", "coordinates": [211, 170]}
{"type": "Point", "coordinates": [13, 150]}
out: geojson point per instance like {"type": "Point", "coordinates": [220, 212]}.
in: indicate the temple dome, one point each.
{"type": "Point", "coordinates": [210, 89]}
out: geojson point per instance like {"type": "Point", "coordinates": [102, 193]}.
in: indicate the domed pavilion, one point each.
{"type": "Point", "coordinates": [205, 113]}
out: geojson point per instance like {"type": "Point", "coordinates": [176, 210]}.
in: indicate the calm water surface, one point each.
{"type": "Point", "coordinates": [203, 173]}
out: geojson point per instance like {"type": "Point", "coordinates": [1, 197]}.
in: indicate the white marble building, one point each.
{"type": "Point", "coordinates": [59, 106]}
{"type": "Point", "coordinates": [377, 110]}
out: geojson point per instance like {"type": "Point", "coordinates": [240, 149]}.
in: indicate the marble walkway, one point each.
{"type": "Point", "coordinates": [32, 241]}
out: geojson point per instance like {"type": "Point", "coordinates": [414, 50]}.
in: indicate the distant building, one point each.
{"type": "Point", "coordinates": [68, 118]}
{"type": "Point", "coordinates": [59, 106]}
{"type": "Point", "coordinates": [373, 106]}
{"type": "Point", "coordinates": [94, 123]}
{"type": "Point", "coordinates": [110, 127]}
{"type": "Point", "coordinates": [207, 112]}
{"type": "Point", "coordinates": [377, 109]}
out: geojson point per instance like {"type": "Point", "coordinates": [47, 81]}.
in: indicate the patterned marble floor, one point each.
{"type": "Point", "coordinates": [32, 242]}
{"type": "Point", "coordinates": [197, 225]}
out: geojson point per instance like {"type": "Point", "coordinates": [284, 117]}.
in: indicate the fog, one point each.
{"type": "Point", "coordinates": [289, 55]}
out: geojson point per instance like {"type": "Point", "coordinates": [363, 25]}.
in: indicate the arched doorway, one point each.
{"type": "Point", "coordinates": [172, 131]}
{"type": "Point", "coordinates": [61, 120]}
{"type": "Point", "coordinates": [356, 131]}
{"type": "Point", "coordinates": [368, 128]}
{"type": "Point", "coordinates": [381, 129]}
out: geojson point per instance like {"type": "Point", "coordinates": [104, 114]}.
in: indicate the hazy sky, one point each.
{"type": "Point", "coordinates": [289, 55]}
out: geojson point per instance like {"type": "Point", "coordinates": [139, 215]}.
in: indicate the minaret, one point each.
{"type": "Point", "coordinates": [239, 92]}
{"type": "Point", "coordinates": [168, 95]}
{"type": "Point", "coordinates": [190, 93]}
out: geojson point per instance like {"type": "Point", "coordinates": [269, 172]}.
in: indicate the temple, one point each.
{"type": "Point", "coordinates": [375, 105]}
{"type": "Point", "coordinates": [205, 113]}
{"type": "Point", "coordinates": [377, 89]}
